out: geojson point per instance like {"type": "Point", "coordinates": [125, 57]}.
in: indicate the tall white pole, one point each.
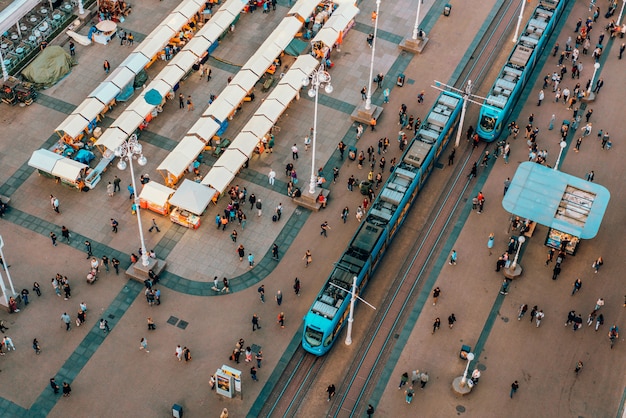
{"type": "Point", "coordinates": [316, 89]}
{"type": "Point", "coordinates": [621, 13]}
{"type": "Point", "coordinates": [520, 241]}
{"type": "Point", "coordinates": [468, 92]}
{"type": "Point", "coordinates": [351, 317]}
{"type": "Point", "coordinates": [6, 269]}
{"type": "Point", "coordinates": [519, 20]}
{"type": "Point", "coordinates": [417, 20]}
{"type": "Point", "coordinates": [470, 358]}
{"type": "Point", "coordinates": [562, 144]}
{"type": "Point", "coordinates": [144, 251]}
{"type": "Point", "coordinates": [5, 73]}
{"type": "Point", "coordinates": [596, 66]}
{"type": "Point", "coordinates": [368, 101]}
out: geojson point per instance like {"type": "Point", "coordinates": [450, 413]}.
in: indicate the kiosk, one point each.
{"type": "Point", "coordinates": [191, 199]}
{"type": "Point", "coordinates": [155, 196]}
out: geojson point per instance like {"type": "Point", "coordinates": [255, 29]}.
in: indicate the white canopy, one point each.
{"type": "Point", "coordinates": [270, 50]}
{"type": "Point", "coordinates": [193, 197]}
{"type": "Point", "coordinates": [156, 193]}
{"type": "Point", "coordinates": [121, 77]}
{"type": "Point", "coordinates": [184, 154]}
{"type": "Point", "coordinates": [212, 31]}
{"type": "Point", "coordinates": [220, 109]}
{"type": "Point", "coordinates": [258, 64]}
{"type": "Point", "coordinates": [73, 125]}
{"type": "Point", "coordinates": [89, 109]}
{"type": "Point", "coordinates": [223, 18]}
{"type": "Point", "coordinates": [184, 60]}
{"type": "Point", "coordinates": [205, 128]}
{"type": "Point", "coordinates": [198, 44]}
{"type": "Point", "coordinates": [135, 62]}
{"type": "Point", "coordinates": [327, 35]}
{"type": "Point", "coordinates": [258, 125]}
{"type": "Point", "coordinates": [14, 12]}
{"type": "Point", "coordinates": [128, 121]}
{"type": "Point", "coordinates": [112, 138]}
{"type": "Point", "coordinates": [283, 93]}
{"type": "Point", "coordinates": [159, 85]}
{"type": "Point", "coordinates": [245, 142]}
{"type": "Point", "coordinates": [271, 109]}
{"type": "Point", "coordinates": [156, 42]}
{"type": "Point", "coordinates": [285, 32]}
{"type": "Point", "coordinates": [140, 106]}
{"type": "Point", "coordinates": [218, 178]}
{"type": "Point", "coordinates": [233, 95]}
{"type": "Point", "coordinates": [68, 169]}
{"type": "Point", "coordinates": [188, 8]}
{"type": "Point", "coordinates": [44, 160]}
{"type": "Point", "coordinates": [303, 8]}
{"type": "Point", "coordinates": [105, 92]}
{"type": "Point", "coordinates": [245, 79]}
{"type": "Point", "coordinates": [176, 21]}
{"type": "Point", "coordinates": [233, 7]}
{"type": "Point", "coordinates": [171, 74]}
{"type": "Point", "coordinates": [232, 159]}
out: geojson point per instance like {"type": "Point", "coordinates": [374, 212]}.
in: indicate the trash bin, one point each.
{"type": "Point", "coordinates": [364, 187]}
{"type": "Point", "coordinates": [446, 9]}
{"type": "Point", "coordinates": [177, 411]}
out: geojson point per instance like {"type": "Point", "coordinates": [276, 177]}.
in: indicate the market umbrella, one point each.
{"type": "Point", "coordinates": [153, 97]}
{"type": "Point", "coordinates": [106, 26]}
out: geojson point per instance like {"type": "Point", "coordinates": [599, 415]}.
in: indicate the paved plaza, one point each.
{"type": "Point", "coordinates": [111, 376]}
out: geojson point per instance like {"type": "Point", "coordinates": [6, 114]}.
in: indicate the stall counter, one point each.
{"type": "Point", "coordinates": [184, 218]}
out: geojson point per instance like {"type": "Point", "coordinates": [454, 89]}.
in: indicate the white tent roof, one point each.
{"type": "Point", "coordinates": [219, 109]}
{"type": "Point", "coordinates": [258, 125]}
{"type": "Point", "coordinates": [176, 20]}
{"type": "Point", "coordinates": [212, 31]}
{"type": "Point", "coordinates": [232, 159]}
{"type": "Point", "coordinates": [198, 44]}
{"type": "Point", "coordinates": [218, 178]}
{"type": "Point", "coordinates": [44, 160]}
{"type": "Point", "coordinates": [188, 8]}
{"type": "Point", "coordinates": [258, 64]}
{"type": "Point", "coordinates": [193, 197]}
{"type": "Point", "coordinates": [346, 11]}
{"type": "Point", "coordinates": [156, 193]}
{"type": "Point", "coordinates": [270, 50]}
{"type": "Point", "coordinates": [306, 64]}
{"type": "Point", "coordinates": [112, 138]}
{"type": "Point", "coordinates": [68, 169]}
{"type": "Point", "coordinates": [234, 7]}
{"type": "Point", "coordinates": [271, 109]}
{"type": "Point", "coordinates": [327, 35]}
{"type": "Point", "coordinates": [140, 106]}
{"type": "Point", "coordinates": [223, 18]}
{"type": "Point", "coordinates": [184, 154]}
{"type": "Point", "coordinates": [204, 128]}
{"type": "Point", "coordinates": [303, 8]}
{"type": "Point", "coordinates": [245, 142]}
{"type": "Point", "coordinates": [233, 95]}
{"type": "Point", "coordinates": [159, 85]}
{"type": "Point", "coordinates": [73, 125]}
{"type": "Point", "coordinates": [184, 60]}
{"type": "Point", "coordinates": [105, 92]}
{"type": "Point", "coordinates": [128, 121]}
{"type": "Point", "coordinates": [245, 79]}
{"type": "Point", "coordinates": [121, 77]}
{"type": "Point", "coordinates": [285, 32]}
{"type": "Point", "coordinates": [89, 109]}
{"type": "Point", "coordinates": [283, 93]}
{"type": "Point", "coordinates": [135, 62]}
{"type": "Point", "coordinates": [171, 74]}
{"type": "Point", "coordinates": [156, 41]}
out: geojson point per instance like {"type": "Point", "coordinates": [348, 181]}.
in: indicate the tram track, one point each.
{"type": "Point", "coordinates": [287, 398]}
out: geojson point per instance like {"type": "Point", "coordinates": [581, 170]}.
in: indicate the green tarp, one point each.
{"type": "Point", "coordinates": [51, 65]}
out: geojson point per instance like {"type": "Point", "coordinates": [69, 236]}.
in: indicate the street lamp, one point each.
{"type": "Point", "coordinates": [521, 241]}
{"type": "Point", "coordinates": [466, 96]}
{"type": "Point", "coordinates": [368, 101]}
{"type": "Point", "coordinates": [519, 21]}
{"type": "Point", "coordinates": [417, 21]}
{"type": "Point", "coordinates": [127, 151]}
{"type": "Point", "coordinates": [6, 269]}
{"type": "Point", "coordinates": [470, 358]}
{"type": "Point", "coordinates": [562, 144]}
{"type": "Point", "coordinates": [319, 78]}
{"type": "Point", "coordinates": [352, 302]}
{"type": "Point", "coordinates": [596, 66]}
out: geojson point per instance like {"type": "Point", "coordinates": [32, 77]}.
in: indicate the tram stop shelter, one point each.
{"type": "Point", "coordinates": [572, 208]}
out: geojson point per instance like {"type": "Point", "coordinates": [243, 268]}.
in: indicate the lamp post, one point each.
{"type": "Point", "coordinates": [352, 302]}
{"type": "Point", "coordinates": [470, 358]}
{"type": "Point", "coordinates": [596, 67]}
{"type": "Point", "coordinates": [130, 149]}
{"type": "Point", "coordinates": [6, 269]}
{"type": "Point", "coordinates": [562, 144]}
{"type": "Point", "coordinates": [466, 96]}
{"type": "Point", "coordinates": [519, 20]}
{"type": "Point", "coordinates": [368, 101]}
{"type": "Point", "coordinates": [521, 241]}
{"type": "Point", "coordinates": [319, 78]}
{"type": "Point", "coordinates": [5, 73]}
{"type": "Point", "coordinates": [81, 8]}
{"type": "Point", "coordinates": [417, 21]}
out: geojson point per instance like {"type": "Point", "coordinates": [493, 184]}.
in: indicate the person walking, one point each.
{"type": "Point", "coordinates": [255, 322]}
{"type": "Point", "coordinates": [114, 225]}
{"type": "Point", "coordinates": [106, 66]}
{"type": "Point", "coordinates": [53, 237]}
{"type": "Point", "coordinates": [36, 346]}
{"type": "Point", "coordinates": [65, 233]}
{"type": "Point", "coordinates": [54, 385]}
{"type": "Point", "coordinates": [116, 265]}
{"type": "Point", "coordinates": [37, 288]}
{"type": "Point", "coordinates": [151, 326]}
{"type": "Point", "coordinates": [190, 106]}
{"type": "Point", "coordinates": [436, 293]}
{"type": "Point", "coordinates": [451, 320]}
{"type": "Point", "coordinates": [490, 242]}
{"type": "Point", "coordinates": [143, 345]}
{"type": "Point", "coordinates": [451, 157]}
{"type": "Point", "coordinates": [538, 317]}
{"type": "Point", "coordinates": [409, 393]}
{"type": "Point", "coordinates": [259, 207]}
{"type": "Point", "coordinates": [259, 359]}
{"type": "Point", "coordinates": [577, 285]}
{"type": "Point", "coordinates": [308, 257]}
{"type": "Point", "coordinates": [541, 97]}
{"type": "Point", "coordinates": [296, 286]}
{"type": "Point", "coordinates": [253, 374]}
{"type": "Point", "coordinates": [104, 325]}
{"type": "Point", "coordinates": [331, 391]}
{"type": "Point", "coordinates": [294, 152]}
{"type": "Point", "coordinates": [250, 260]}
{"type": "Point", "coordinates": [271, 176]}
{"type": "Point", "coordinates": [261, 292]}
{"type": "Point", "coordinates": [522, 311]}
{"type": "Point", "coordinates": [370, 411]}
{"type": "Point", "coordinates": [344, 214]}
{"type": "Point", "coordinates": [275, 251]}
{"type": "Point", "coordinates": [67, 320]}
{"type": "Point", "coordinates": [279, 297]}
{"type": "Point", "coordinates": [453, 258]}
{"type": "Point", "coordinates": [403, 380]}
{"type": "Point", "coordinates": [54, 203]}
{"type": "Point", "coordinates": [131, 191]}
{"type": "Point", "coordinates": [514, 387]}
{"type": "Point", "coordinates": [598, 263]}
{"type": "Point", "coordinates": [154, 226]}
{"type": "Point", "coordinates": [599, 304]}
{"type": "Point", "coordinates": [436, 325]}
{"type": "Point", "coordinates": [281, 319]}
{"type": "Point", "coordinates": [325, 227]}
{"type": "Point", "coordinates": [423, 379]}
{"type": "Point", "coordinates": [533, 313]}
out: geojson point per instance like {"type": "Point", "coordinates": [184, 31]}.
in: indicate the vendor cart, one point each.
{"type": "Point", "coordinates": [14, 91]}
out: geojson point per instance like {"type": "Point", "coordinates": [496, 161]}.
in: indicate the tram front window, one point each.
{"type": "Point", "coordinates": [488, 123]}
{"type": "Point", "coordinates": [313, 337]}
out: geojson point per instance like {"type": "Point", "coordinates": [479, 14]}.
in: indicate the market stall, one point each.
{"type": "Point", "coordinates": [103, 32]}
{"type": "Point", "coordinates": [245, 142]}
{"type": "Point", "coordinates": [218, 178]}
{"type": "Point", "coordinates": [44, 161]}
{"type": "Point", "coordinates": [176, 163]}
{"type": "Point", "coordinates": [205, 129]}
{"type": "Point", "coordinates": [53, 165]}
{"type": "Point", "coordinates": [190, 201]}
{"type": "Point", "coordinates": [155, 196]}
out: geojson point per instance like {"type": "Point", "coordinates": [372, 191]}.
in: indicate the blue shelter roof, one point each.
{"type": "Point", "coordinates": [557, 200]}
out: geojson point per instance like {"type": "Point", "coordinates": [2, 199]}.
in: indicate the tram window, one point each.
{"type": "Point", "coordinates": [488, 123]}
{"type": "Point", "coordinates": [314, 338]}
{"type": "Point", "coordinates": [328, 340]}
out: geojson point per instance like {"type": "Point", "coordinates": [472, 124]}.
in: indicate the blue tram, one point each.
{"type": "Point", "coordinates": [509, 84]}
{"type": "Point", "coordinates": [328, 314]}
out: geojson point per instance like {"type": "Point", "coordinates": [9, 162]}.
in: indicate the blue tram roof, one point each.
{"type": "Point", "coordinates": [558, 200]}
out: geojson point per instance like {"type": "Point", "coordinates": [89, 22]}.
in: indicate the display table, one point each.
{"type": "Point", "coordinates": [184, 218]}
